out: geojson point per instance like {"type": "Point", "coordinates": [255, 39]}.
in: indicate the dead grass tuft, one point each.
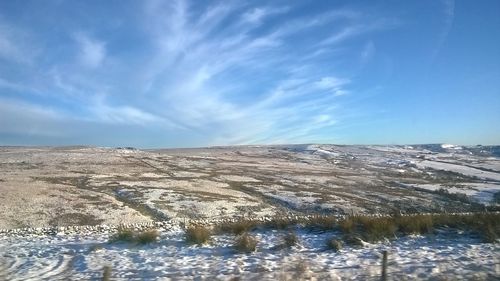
{"type": "Point", "coordinates": [280, 223]}
{"type": "Point", "coordinates": [322, 222]}
{"type": "Point", "coordinates": [347, 225]}
{"type": "Point", "coordinates": [334, 244]}
{"type": "Point", "coordinates": [198, 234]}
{"type": "Point", "coordinates": [419, 224]}
{"type": "Point", "coordinates": [377, 229]}
{"type": "Point", "coordinates": [131, 236]}
{"type": "Point", "coordinates": [123, 235]}
{"type": "Point", "coordinates": [245, 243]}
{"type": "Point", "coordinates": [237, 228]}
{"type": "Point", "coordinates": [147, 237]}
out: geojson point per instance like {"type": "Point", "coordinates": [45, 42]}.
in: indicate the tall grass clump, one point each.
{"type": "Point", "coordinates": [123, 235]}
{"type": "Point", "coordinates": [245, 243]}
{"type": "Point", "coordinates": [488, 226]}
{"type": "Point", "coordinates": [321, 222]}
{"type": "Point", "coordinates": [197, 234]}
{"type": "Point", "coordinates": [238, 227]}
{"type": "Point", "coordinates": [139, 237]}
{"type": "Point", "coordinates": [419, 224]}
{"type": "Point", "coordinates": [375, 229]}
{"type": "Point", "coordinates": [347, 225]}
{"type": "Point", "coordinates": [281, 223]}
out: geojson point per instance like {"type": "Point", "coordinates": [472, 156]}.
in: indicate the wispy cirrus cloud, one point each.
{"type": "Point", "coordinates": [224, 72]}
{"type": "Point", "coordinates": [15, 45]}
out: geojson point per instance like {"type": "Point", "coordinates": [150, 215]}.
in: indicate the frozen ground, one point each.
{"type": "Point", "coordinates": [59, 186]}
{"type": "Point", "coordinates": [446, 254]}
{"type": "Point", "coordinates": [64, 186]}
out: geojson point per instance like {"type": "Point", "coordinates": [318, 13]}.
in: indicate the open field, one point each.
{"type": "Point", "coordinates": [82, 185]}
{"type": "Point", "coordinates": [44, 192]}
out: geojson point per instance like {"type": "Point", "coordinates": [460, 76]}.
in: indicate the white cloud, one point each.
{"type": "Point", "coordinates": [333, 84]}
{"type": "Point", "coordinates": [257, 15]}
{"type": "Point", "coordinates": [91, 52]}
{"type": "Point", "coordinates": [212, 72]}
{"type": "Point", "coordinates": [449, 16]}
{"type": "Point", "coordinates": [124, 114]}
{"type": "Point", "coordinates": [356, 29]}
{"type": "Point", "coordinates": [14, 45]}
{"type": "Point", "coordinates": [18, 117]}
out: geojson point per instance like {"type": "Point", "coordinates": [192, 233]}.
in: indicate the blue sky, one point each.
{"type": "Point", "coordinates": [203, 73]}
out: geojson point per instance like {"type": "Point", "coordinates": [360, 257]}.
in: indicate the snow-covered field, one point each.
{"type": "Point", "coordinates": [459, 256]}
{"type": "Point", "coordinates": [480, 192]}
{"type": "Point", "coordinates": [53, 186]}
{"type": "Point", "coordinates": [58, 186]}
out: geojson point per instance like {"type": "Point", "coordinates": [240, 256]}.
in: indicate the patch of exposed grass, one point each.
{"type": "Point", "coordinates": [280, 223]}
{"type": "Point", "coordinates": [245, 243]}
{"type": "Point", "coordinates": [238, 227]}
{"type": "Point", "coordinates": [131, 236]}
{"type": "Point", "coordinates": [488, 226]}
{"type": "Point", "coordinates": [322, 222]}
{"type": "Point", "coordinates": [123, 235]}
{"type": "Point", "coordinates": [347, 225]}
{"type": "Point", "coordinates": [368, 228]}
{"type": "Point", "coordinates": [377, 229]}
{"type": "Point", "coordinates": [198, 234]}
{"type": "Point", "coordinates": [419, 224]}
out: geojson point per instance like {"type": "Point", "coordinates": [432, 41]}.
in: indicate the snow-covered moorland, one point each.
{"type": "Point", "coordinates": [93, 187]}
{"type": "Point", "coordinates": [445, 254]}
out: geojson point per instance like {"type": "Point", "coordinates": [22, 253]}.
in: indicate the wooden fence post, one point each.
{"type": "Point", "coordinates": [384, 266]}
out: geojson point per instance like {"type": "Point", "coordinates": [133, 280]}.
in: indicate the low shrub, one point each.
{"type": "Point", "coordinates": [198, 234]}
{"type": "Point", "coordinates": [334, 244]}
{"type": "Point", "coordinates": [245, 243]}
